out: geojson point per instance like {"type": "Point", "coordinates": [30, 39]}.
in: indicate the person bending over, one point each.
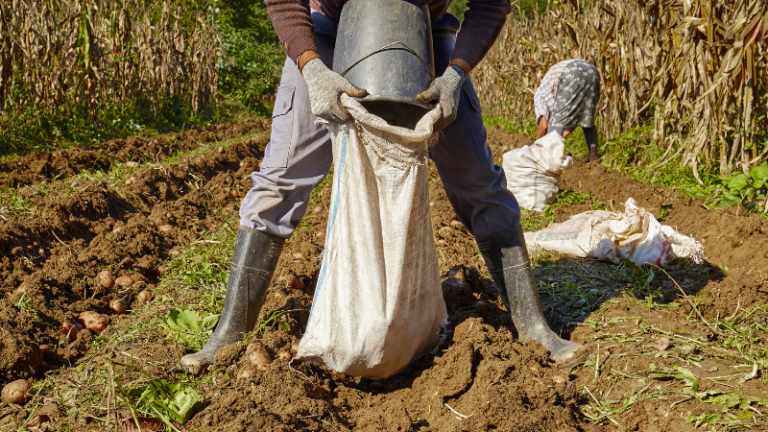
{"type": "Point", "coordinates": [566, 99]}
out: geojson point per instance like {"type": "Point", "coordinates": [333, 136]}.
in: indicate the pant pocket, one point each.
{"type": "Point", "coordinates": [278, 151]}
{"type": "Point", "coordinates": [479, 135]}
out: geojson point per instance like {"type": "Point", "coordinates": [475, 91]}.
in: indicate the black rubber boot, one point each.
{"type": "Point", "coordinates": [592, 154]}
{"type": "Point", "coordinates": [507, 260]}
{"type": "Point", "coordinates": [254, 262]}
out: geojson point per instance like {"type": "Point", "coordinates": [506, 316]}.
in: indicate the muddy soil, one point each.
{"type": "Point", "coordinates": [42, 165]}
{"type": "Point", "coordinates": [50, 260]}
{"type": "Point", "coordinates": [480, 379]}
{"type": "Point", "coordinates": [734, 241]}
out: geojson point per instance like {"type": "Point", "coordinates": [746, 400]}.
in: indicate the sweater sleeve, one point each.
{"type": "Point", "coordinates": [483, 22]}
{"type": "Point", "coordinates": [293, 24]}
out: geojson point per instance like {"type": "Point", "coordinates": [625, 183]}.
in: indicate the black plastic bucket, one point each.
{"type": "Point", "coordinates": [385, 47]}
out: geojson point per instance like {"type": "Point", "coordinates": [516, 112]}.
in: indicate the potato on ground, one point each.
{"type": "Point", "coordinates": [18, 392]}
{"type": "Point", "coordinates": [93, 321]}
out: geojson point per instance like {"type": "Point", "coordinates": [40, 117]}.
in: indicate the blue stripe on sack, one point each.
{"type": "Point", "coordinates": [332, 218]}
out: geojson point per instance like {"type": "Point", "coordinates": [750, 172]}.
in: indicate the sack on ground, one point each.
{"type": "Point", "coordinates": [635, 235]}
{"type": "Point", "coordinates": [378, 302]}
{"type": "Point", "coordinates": [533, 171]}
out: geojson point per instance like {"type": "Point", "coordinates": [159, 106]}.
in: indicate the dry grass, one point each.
{"type": "Point", "coordinates": [696, 67]}
{"type": "Point", "coordinates": [93, 50]}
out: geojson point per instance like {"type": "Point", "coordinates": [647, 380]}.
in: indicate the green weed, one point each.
{"type": "Point", "coordinates": [748, 190]}
{"type": "Point", "coordinates": [191, 328]}
{"type": "Point", "coordinates": [171, 402]}
{"type": "Point", "coordinates": [25, 305]}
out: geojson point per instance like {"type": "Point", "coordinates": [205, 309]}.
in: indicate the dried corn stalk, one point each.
{"type": "Point", "coordinates": [93, 50]}
{"type": "Point", "coordinates": [697, 65]}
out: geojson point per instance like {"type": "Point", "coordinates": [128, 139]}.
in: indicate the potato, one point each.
{"type": "Point", "coordinates": [318, 209]}
{"type": "Point", "coordinates": [560, 378]}
{"type": "Point", "coordinates": [106, 279]}
{"type": "Point", "coordinates": [118, 306]}
{"type": "Point", "coordinates": [456, 225]}
{"type": "Point", "coordinates": [535, 369]}
{"type": "Point", "coordinates": [294, 282]}
{"type": "Point", "coordinates": [144, 296]}
{"type": "Point", "coordinates": [22, 289]}
{"type": "Point", "coordinates": [245, 373]}
{"type": "Point", "coordinates": [284, 355]}
{"type": "Point", "coordinates": [258, 356]}
{"type": "Point", "coordinates": [220, 150]}
{"type": "Point", "coordinates": [18, 392]}
{"type": "Point", "coordinates": [124, 281]}
{"type": "Point", "coordinates": [160, 270]}
{"type": "Point", "coordinates": [71, 330]}
{"type": "Point", "coordinates": [165, 228]}
{"type": "Point", "coordinates": [93, 321]}
{"type": "Point", "coordinates": [300, 256]}
{"type": "Point", "coordinates": [445, 232]}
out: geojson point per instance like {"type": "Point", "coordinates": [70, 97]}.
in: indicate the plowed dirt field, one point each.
{"type": "Point", "coordinates": [671, 351]}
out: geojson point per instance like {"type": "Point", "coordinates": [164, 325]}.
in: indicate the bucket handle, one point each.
{"type": "Point", "coordinates": [432, 74]}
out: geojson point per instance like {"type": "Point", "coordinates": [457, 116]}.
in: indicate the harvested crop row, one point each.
{"type": "Point", "coordinates": [52, 264]}
{"type": "Point", "coordinates": [41, 166]}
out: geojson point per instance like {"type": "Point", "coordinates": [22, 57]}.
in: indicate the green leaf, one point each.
{"type": "Point", "coordinates": [729, 200]}
{"type": "Point", "coordinates": [759, 172]}
{"type": "Point", "coordinates": [177, 401]}
{"type": "Point", "coordinates": [737, 182]}
{"type": "Point", "coordinates": [681, 374]}
{"type": "Point", "coordinates": [191, 320]}
{"type": "Point", "coordinates": [190, 327]}
{"type": "Point", "coordinates": [732, 400]}
{"type": "Point", "coordinates": [699, 420]}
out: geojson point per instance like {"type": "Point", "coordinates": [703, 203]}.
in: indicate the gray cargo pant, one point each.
{"type": "Point", "coordinates": [299, 154]}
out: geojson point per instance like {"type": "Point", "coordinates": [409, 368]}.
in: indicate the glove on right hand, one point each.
{"type": "Point", "coordinates": [446, 90]}
{"type": "Point", "coordinates": [325, 89]}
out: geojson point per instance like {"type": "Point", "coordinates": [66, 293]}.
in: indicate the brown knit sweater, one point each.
{"type": "Point", "coordinates": [482, 25]}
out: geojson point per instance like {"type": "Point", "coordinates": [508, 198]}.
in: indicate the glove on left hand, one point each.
{"type": "Point", "coordinates": [447, 91]}
{"type": "Point", "coordinates": [325, 88]}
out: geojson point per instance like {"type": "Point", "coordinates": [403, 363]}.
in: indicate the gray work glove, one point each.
{"type": "Point", "coordinates": [447, 91]}
{"type": "Point", "coordinates": [325, 89]}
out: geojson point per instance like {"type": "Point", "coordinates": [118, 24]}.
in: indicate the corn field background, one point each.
{"type": "Point", "coordinates": [695, 68]}
{"type": "Point", "coordinates": [93, 53]}
{"type": "Point", "coordinates": [97, 49]}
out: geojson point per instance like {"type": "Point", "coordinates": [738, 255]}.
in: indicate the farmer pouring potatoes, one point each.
{"type": "Point", "coordinates": [566, 99]}
{"type": "Point", "coordinates": [299, 156]}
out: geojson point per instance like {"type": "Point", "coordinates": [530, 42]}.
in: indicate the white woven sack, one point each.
{"type": "Point", "coordinates": [533, 171]}
{"type": "Point", "coordinates": [682, 246]}
{"type": "Point", "coordinates": [634, 234]}
{"type": "Point", "coordinates": [378, 302]}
